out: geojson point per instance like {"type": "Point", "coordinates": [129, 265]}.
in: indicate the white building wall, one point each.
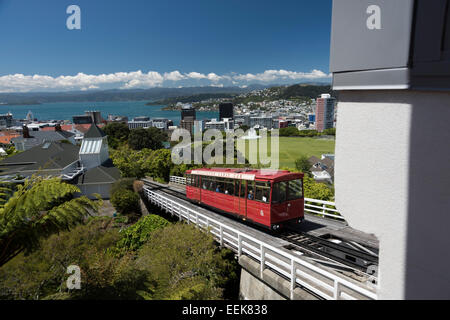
{"type": "Point", "coordinates": [392, 179]}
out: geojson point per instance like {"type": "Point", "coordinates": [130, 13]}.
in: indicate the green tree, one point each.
{"type": "Point", "coordinates": [122, 184]}
{"type": "Point", "coordinates": [151, 138]}
{"type": "Point", "coordinates": [126, 201]}
{"type": "Point", "coordinates": [319, 191]}
{"type": "Point", "coordinates": [302, 164]}
{"type": "Point", "coordinates": [39, 208]}
{"type": "Point", "coordinates": [329, 132]}
{"type": "Point", "coordinates": [118, 133]}
{"type": "Point", "coordinates": [289, 132]}
{"type": "Point", "coordinates": [117, 130]}
{"type": "Point", "coordinates": [160, 164]}
{"type": "Point", "coordinates": [184, 263]}
{"type": "Point", "coordinates": [42, 275]}
{"type": "Point", "coordinates": [131, 163]}
{"type": "Point", "coordinates": [136, 235]}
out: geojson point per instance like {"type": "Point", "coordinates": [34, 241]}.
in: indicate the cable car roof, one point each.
{"type": "Point", "coordinates": [244, 174]}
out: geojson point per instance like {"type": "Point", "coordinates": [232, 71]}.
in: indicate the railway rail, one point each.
{"type": "Point", "coordinates": [362, 262]}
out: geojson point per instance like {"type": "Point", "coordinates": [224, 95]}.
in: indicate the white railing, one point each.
{"type": "Point", "coordinates": [324, 209]}
{"type": "Point", "coordinates": [298, 271]}
{"type": "Point", "coordinates": [178, 180]}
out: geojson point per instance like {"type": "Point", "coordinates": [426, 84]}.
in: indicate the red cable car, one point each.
{"type": "Point", "coordinates": [266, 197]}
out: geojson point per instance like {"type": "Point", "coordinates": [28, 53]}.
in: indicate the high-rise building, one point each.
{"type": "Point", "coordinates": [187, 118]}
{"type": "Point", "coordinates": [187, 125]}
{"type": "Point", "coordinates": [88, 117]}
{"type": "Point", "coordinates": [187, 112]}
{"type": "Point", "coordinates": [95, 115]}
{"type": "Point", "coordinates": [82, 119]}
{"type": "Point", "coordinates": [324, 112]}
{"type": "Point", "coordinates": [226, 110]}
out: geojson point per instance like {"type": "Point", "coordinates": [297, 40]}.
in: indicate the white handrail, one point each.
{"type": "Point", "coordinates": [324, 209]}
{"type": "Point", "coordinates": [298, 271]}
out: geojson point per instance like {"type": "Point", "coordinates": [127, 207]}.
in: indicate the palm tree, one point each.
{"type": "Point", "coordinates": [37, 209]}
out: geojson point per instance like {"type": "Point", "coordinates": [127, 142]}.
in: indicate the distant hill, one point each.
{"type": "Point", "coordinates": [306, 91]}
{"type": "Point", "coordinates": [186, 94]}
{"type": "Point", "coordinates": [116, 95]}
{"type": "Point", "coordinates": [190, 99]}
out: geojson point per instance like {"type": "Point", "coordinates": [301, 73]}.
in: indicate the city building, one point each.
{"type": "Point", "coordinates": [6, 120]}
{"type": "Point", "coordinates": [224, 125]}
{"type": "Point", "coordinates": [187, 125]}
{"type": "Point", "coordinates": [114, 118]}
{"type": "Point", "coordinates": [161, 123]}
{"type": "Point", "coordinates": [95, 115]}
{"type": "Point", "coordinates": [88, 117]}
{"type": "Point", "coordinates": [188, 117]}
{"type": "Point", "coordinates": [322, 169]}
{"type": "Point", "coordinates": [140, 122]}
{"type": "Point", "coordinates": [187, 112]}
{"type": "Point", "coordinates": [82, 119]}
{"type": "Point", "coordinates": [242, 120]}
{"type": "Point", "coordinates": [226, 110]}
{"type": "Point", "coordinates": [261, 122]}
{"type": "Point", "coordinates": [325, 112]}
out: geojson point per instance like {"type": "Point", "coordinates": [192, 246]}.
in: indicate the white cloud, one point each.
{"type": "Point", "coordinates": [139, 79]}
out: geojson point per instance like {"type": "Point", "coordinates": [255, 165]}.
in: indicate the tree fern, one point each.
{"type": "Point", "coordinates": [37, 209]}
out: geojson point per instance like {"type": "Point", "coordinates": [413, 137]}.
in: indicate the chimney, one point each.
{"type": "Point", "coordinates": [26, 132]}
{"type": "Point", "coordinates": [58, 127]}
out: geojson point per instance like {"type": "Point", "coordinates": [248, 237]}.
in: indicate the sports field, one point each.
{"type": "Point", "coordinates": [291, 148]}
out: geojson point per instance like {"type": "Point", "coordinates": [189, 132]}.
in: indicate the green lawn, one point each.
{"type": "Point", "coordinates": [292, 147]}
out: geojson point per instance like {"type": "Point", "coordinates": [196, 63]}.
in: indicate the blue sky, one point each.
{"type": "Point", "coordinates": [138, 43]}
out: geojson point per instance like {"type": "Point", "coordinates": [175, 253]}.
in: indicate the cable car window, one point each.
{"type": "Point", "coordinates": [205, 183]}
{"type": "Point", "coordinates": [262, 191]}
{"type": "Point", "coordinates": [197, 181]}
{"type": "Point", "coordinates": [220, 185]}
{"type": "Point", "coordinates": [295, 189]}
{"type": "Point", "coordinates": [210, 184]}
{"type": "Point", "coordinates": [188, 180]}
{"type": "Point", "coordinates": [279, 192]}
{"type": "Point", "coordinates": [229, 186]}
{"type": "Point", "coordinates": [251, 190]}
{"type": "Point", "coordinates": [236, 188]}
{"type": "Point", "coordinates": [243, 189]}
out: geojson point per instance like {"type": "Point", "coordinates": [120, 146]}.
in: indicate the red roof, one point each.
{"type": "Point", "coordinates": [247, 174]}
{"type": "Point", "coordinates": [5, 137]}
{"type": "Point", "coordinates": [64, 127]}
{"type": "Point", "coordinates": [85, 127]}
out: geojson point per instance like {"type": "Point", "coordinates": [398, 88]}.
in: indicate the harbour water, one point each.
{"type": "Point", "coordinates": [65, 110]}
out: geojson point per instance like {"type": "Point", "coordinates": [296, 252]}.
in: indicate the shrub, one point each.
{"type": "Point", "coordinates": [136, 235]}
{"type": "Point", "coordinates": [42, 274]}
{"type": "Point", "coordinates": [184, 263]}
{"type": "Point", "coordinates": [122, 184]}
{"type": "Point", "coordinates": [125, 201]}
{"type": "Point", "coordinates": [302, 164]}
